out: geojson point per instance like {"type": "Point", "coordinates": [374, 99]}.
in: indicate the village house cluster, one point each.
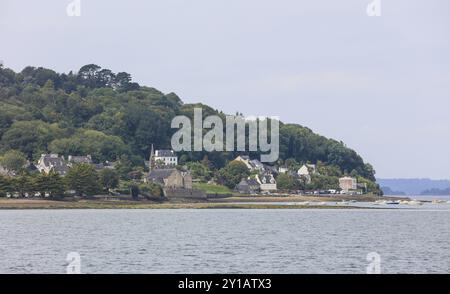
{"type": "Point", "coordinates": [49, 162]}
{"type": "Point", "coordinates": [264, 181]}
{"type": "Point", "coordinates": [58, 164]}
{"type": "Point", "coordinates": [177, 181]}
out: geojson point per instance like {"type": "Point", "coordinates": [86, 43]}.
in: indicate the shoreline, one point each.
{"type": "Point", "coordinates": [248, 202]}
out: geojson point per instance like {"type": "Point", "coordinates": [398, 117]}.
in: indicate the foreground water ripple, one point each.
{"type": "Point", "coordinates": [224, 241]}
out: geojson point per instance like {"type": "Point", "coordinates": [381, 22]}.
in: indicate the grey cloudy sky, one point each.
{"type": "Point", "coordinates": [380, 84]}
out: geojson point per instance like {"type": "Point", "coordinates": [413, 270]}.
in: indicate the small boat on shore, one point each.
{"type": "Point", "coordinates": [343, 202]}
{"type": "Point", "coordinates": [414, 202]}
{"type": "Point", "coordinates": [393, 202]}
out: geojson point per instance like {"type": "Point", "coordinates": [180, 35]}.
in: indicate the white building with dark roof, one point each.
{"type": "Point", "coordinates": [266, 182]}
{"type": "Point", "coordinates": [283, 169]}
{"type": "Point", "coordinates": [165, 157]}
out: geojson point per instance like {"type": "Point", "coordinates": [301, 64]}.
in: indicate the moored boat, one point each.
{"type": "Point", "coordinates": [343, 202]}
{"type": "Point", "coordinates": [414, 202]}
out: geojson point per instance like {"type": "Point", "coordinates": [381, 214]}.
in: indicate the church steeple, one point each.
{"type": "Point", "coordinates": [151, 162]}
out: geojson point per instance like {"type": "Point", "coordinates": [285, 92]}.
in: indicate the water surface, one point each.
{"type": "Point", "coordinates": [225, 240]}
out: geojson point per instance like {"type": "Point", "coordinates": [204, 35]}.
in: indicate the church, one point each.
{"type": "Point", "coordinates": [175, 183]}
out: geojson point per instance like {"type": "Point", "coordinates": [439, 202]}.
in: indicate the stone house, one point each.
{"type": "Point", "coordinates": [48, 162]}
{"type": "Point", "coordinates": [175, 183]}
{"type": "Point", "coordinates": [170, 178]}
{"type": "Point", "coordinates": [248, 186]}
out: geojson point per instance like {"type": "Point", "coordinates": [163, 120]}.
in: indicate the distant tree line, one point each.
{"type": "Point", "coordinates": [436, 192]}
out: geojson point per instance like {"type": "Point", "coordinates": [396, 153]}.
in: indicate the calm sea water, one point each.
{"type": "Point", "coordinates": [225, 241]}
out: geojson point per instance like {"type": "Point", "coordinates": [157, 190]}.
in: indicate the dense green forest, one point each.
{"type": "Point", "coordinates": [105, 114]}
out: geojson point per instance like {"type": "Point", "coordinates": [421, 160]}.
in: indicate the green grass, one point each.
{"type": "Point", "coordinates": [212, 189]}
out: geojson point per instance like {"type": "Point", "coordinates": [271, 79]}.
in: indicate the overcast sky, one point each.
{"type": "Point", "coordinates": [380, 84]}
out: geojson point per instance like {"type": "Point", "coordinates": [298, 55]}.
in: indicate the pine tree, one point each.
{"type": "Point", "coordinates": [5, 185]}
{"type": "Point", "coordinates": [83, 179]}
{"type": "Point", "coordinates": [55, 184]}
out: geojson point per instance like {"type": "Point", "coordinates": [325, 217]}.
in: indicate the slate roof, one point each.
{"type": "Point", "coordinates": [104, 165]}
{"type": "Point", "coordinates": [80, 159]}
{"type": "Point", "coordinates": [270, 169]}
{"type": "Point", "coordinates": [267, 179]}
{"type": "Point", "coordinates": [247, 186]}
{"type": "Point", "coordinates": [164, 153]}
{"type": "Point", "coordinates": [243, 184]}
{"type": "Point", "coordinates": [158, 175]}
{"type": "Point", "coordinates": [252, 182]}
{"type": "Point", "coordinates": [55, 162]}
{"type": "Point", "coordinates": [255, 163]}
